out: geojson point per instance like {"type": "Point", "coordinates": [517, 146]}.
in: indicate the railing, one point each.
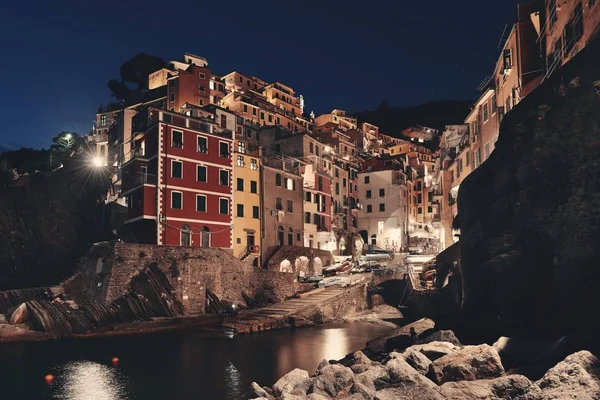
{"type": "Point", "coordinates": [140, 179]}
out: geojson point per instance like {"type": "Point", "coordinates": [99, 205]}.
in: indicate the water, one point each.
{"type": "Point", "coordinates": [173, 365]}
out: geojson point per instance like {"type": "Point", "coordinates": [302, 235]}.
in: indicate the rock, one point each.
{"type": "Point", "coordinates": [355, 396]}
{"type": "Point", "coordinates": [259, 392]}
{"type": "Point", "coordinates": [576, 377]}
{"type": "Point", "coordinates": [468, 364]}
{"type": "Point", "coordinates": [334, 380]}
{"type": "Point", "coordinates": [400, 338]}
{"type": "Point", "coordinates": [401, 372]}
{"type": "Point", "coordinates": [321, 365]}
{"type": "Point", "coordinates": [20, 315]}
{"type": "Point", "coordinates": [442, 336]}
{"type": "Point", "coordinates": [3, 319]}
{"type": "Point", "coordinates": [288, 382]}
{"type": "Point", "coordinates": [408, 392]}
{"type": "Point", "coordinates": [434, 350]}
{"type": "Point", "coordinates": [417, 360]}
{"type": "Point", "coordinates": [314, 396]}
{"type": "Point", "coordinates": [503, 388]}
{"type": "Point", "coordinates": [289, 396]}
{"type": "Point", "coordinates": [359, 368]}
{"type": "Point", "coordinates": [375, 378]}
{"type": "Point", "coordinates": [360, 358]}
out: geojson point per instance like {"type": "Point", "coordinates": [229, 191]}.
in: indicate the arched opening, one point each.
{"type": "Point", "coordinates": [317, 266]}
{"type": "Point", "coordinates": [280, 236]}
{"type": "Point", "coordinates": [286, 266]}
{"type": "Point", "coordinates": [205, 237]}
{"type": "Point", "coordinates": [290, 236]}
{"type": "Point", "coordinates": [186, 236]}
{"type": "Point", "coordinates": [373, 240]}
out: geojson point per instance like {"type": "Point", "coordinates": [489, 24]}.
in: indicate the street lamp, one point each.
{"type": "Point", "coordinates": [97, 162]}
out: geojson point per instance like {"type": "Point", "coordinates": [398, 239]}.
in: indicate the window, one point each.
{"type": "Point", "coordinates": [224, 149]}
{"type": "Point", "coordinates": [223, 206]}
{"type": "Point", "coordinates": [494, 105]}
{"type": "Point", "coordinates": [381, 192]}
{"type": "Point", "coordinates": [307, 217]}
{"type": "Point", "coordinates": [487, 150]}
{"type": "Point", "coordinates": [202, 144]}
{"type": "Point", "coordinates": [241, 80]}
{"type": "Point", "coordinates": [344, 183]}
{"type": "Point", "coordinates": [297, 237]}
{"type": "Point", "coordinates": [429, 209]}
{"type": "Point", "coordinates": [337, 188]}
{"type": "Point", "coordinates": [172, 83]}
{"type": "Point", "coordinates": [240, 161]}
{"type": "Point", "coordinates": [367, 179]}
{"type": "Point", "coordinates": [467, 159]}
{"type": "Point", "coordinates": [176, 169]}
{"type": "Point", "coordinates": [418, 187]}
{"type": "Point", "coordinates": [308, 197]}
{"type": "Point", "coordinates": [486, 112]}
{"type": "Point", "coordinates": [172, 97]}
{"type": "Point", "coordinates": [200, 102]}
{"type": "Point", "coordinates": [253, 111]}
{"type": "Point", "coordinates": [311, 147]}
{"type": "Point", "coordinates": [200, 203]}
{"type": "Point", "coordinates": [419, 198]}
{"type": "Point", "coordinates": [240, 211]}
{"type": "Point", "coordinates": [382, 207]}
{"type": "Point", "coordinates": [508, 60]}
{"type": "Point", "coordinates": [242, 147]}
{"type": "Point", "coordinates": [290, 184]}
{"type": "Point", "coordinates": [253, 165]}
{"type": "Point", "coordinates": [278, 203]}
{"type": "Point", "coordinates": [245, 108]}
{"type": "Point", "coordinates": [290, 206]}
{"type": "Point", "coordinates": [240, 185]}
{"type": "Point", "coordinates": [103, 123]}
{"type": "Point", "coordinates": [368, 194]}
{"type": "Point", "coordinates": [430, 197]}
{"type": "Point", "coordinates": [420, 210]}
{"type": "Point", "coordinates": [337, 173]}
{"type": "Point", "coordinates": [255, 212]}
{"type": "Point", "coordinates": [201, 173]}
{"type": "Point", "coordinates": [278, 180]}
{"type": "Point", "coordinates": [201, 88]}
{"type": "Point", "coordinates": [262, 115]}
{"type": "Point", "coordinates": [290, 237]}
{"type": "Point", "coordinates": [280, 236]}
{"type": "Point", "coordinates": [253, 187]}
{"type": "Point", "coordinates": [177, 200]}
{"type": "Point", "coordinates": [270, 118]}
{"type": "Point", "coordinates": [177, 139]}
{"type": "Point", "coordinates": [224, 177]}
{"type": "Point", "coordinates": [451, 177]}
{"type": "Point", "coordinates": [201, 75]}
{"type": "Point", "coordinates": [369, 208]}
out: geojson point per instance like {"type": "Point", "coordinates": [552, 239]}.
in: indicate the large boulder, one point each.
{"type": "Point", "coordinates": [503, 388]}
{"type": "Point", "coordinates": [290, 381]}
{"type": "Point", "coordinates": [367, 383]}
{"type": "Point", "coordinates": [529, 214]}
{"type": "Point", "coordinates": [259, 391]}
{"type": "Point", "coordinates": [400, 339]}
{"type": "Point", "coordinates": [577, 377]}
{"type": "Point", "coordinates": [434, 350]}
{"type": "Point", "coordinates": [442, 336]}
{"type": "Point", "coordinates": [468, 364]}
{"type": "Point", "coordinates": [401, 372]}
{"type": "Point", "coordinates": [3, 319]}
{"type": "Point", "coordinates": [417, 360]}
{"type": "Point", "coordinates": [334, 380]}
{"type": "Point", "coordinates": [20, 315]}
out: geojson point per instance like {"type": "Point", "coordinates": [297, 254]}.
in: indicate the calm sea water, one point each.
{"type": "Point", "coordinates": [173, 365]}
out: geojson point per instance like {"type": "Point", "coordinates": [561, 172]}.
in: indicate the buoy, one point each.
{"type": "Point", "coordinates": [49, 378]}
{"type": "Point", "coordinates": [115, 360]}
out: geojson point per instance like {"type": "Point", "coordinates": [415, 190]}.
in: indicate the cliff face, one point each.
{"type": "Point", "coordinates": [530, 215]}
{"type": "Point", "coordinates": [47, 221]}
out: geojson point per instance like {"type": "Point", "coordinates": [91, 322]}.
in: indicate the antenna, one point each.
{"type": "Point", "coordinates": [502, 36]}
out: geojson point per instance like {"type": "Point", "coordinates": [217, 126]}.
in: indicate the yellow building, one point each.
{"type": "Point", "coordinates": [246, 193]}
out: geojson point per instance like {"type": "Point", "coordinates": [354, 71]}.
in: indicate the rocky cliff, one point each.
{"type": "Point", "coordinates": [47, 221]}
{"type": "Point", "coordinates": [530, 215]}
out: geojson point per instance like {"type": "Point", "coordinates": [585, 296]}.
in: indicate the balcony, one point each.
{"type": "Point", "coordinates": [130, 182]}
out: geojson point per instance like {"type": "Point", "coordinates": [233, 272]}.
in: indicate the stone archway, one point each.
{"type": "Point", "coordinates": [301, 266]}
{"type": "Point", "coordinates": [317, 266]}
{"type": "Point", "coordinates": [286, 266]}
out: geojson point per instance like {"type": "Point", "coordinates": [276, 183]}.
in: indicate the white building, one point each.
{"type": "Point", "coordinates": [383, 219]}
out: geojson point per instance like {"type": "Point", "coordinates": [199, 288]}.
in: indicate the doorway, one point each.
{"type": "Point", "coordinates": [249, 242]}
{"type": "Point", "coordinates": [186, 236]}
{"type": "Point", "coordinates": [205, 237]}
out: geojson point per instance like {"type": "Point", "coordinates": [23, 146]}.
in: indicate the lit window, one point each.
{"type": "Point", "coordinates": [177, 139]}
{"type": "Point", "coordinates": [253, 165]}
{"type": "Point", "coordinates": [242, 147]}
{"type": "Point", "coordinates": [240, 161]}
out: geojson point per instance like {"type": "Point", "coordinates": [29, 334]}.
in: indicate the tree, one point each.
{"type": "Point", "coordinates": [134, 75]}
{"type": "Point", "coordinates": [66, 141]}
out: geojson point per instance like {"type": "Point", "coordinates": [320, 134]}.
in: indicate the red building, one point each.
{"type": "Point", "coordinates": [178, 184]}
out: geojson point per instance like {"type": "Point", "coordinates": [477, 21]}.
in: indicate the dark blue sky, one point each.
{"type": "Point", "coordinates": [57, 55]}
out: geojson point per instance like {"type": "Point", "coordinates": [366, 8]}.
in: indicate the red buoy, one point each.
{"type": "Point", "coordinates": [49, 378]}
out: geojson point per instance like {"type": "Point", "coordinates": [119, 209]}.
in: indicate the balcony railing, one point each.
{"type": "Point", "coordinates": [139, 179]}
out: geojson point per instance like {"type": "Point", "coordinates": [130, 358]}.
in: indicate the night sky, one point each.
{"type": "Point", "coordinates": [58, 55]}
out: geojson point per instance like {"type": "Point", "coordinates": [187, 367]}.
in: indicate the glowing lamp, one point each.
{"type": "Point", "coordinates": [49, 378]}
{"type": "Point", "coordinates": [97, 162]}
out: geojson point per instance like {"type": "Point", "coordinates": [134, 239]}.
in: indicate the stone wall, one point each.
{"type": "Point", "coordinates": [530, 215]}
{"type": "Point", "coordinates": [347, 305]}
{"type": "Point", "coordinates": [292, 253]}
{"type": "Point", "coordinates": [107, 271]}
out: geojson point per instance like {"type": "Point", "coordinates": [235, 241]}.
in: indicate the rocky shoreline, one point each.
{"type": "Point", "coordinates": [439, 367]}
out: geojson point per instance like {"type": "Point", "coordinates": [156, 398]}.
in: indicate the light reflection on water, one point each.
{"type": "Point", "coordinates": [233, 383]}
{"type": "Point", "coordinates": [86, 380]}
